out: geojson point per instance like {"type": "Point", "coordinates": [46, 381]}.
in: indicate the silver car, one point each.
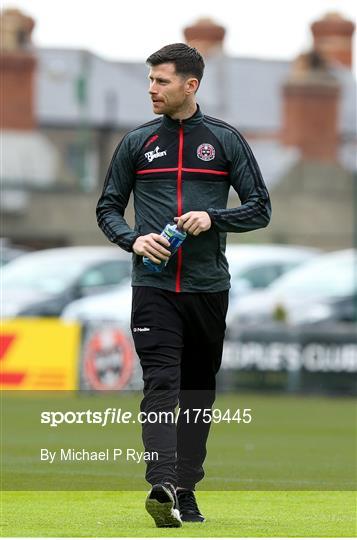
{"type": "Point", "coordinates": [252, 267]}
{"type": "Point", "coordinates": [42, 283]}
{"type": "Point", "coordinates": [303, 295]}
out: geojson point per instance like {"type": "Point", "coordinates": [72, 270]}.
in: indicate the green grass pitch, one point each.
{"type": "Point", "coordinates": [229, 514]}
{"type": "Point", "coordinates": [290, 473]}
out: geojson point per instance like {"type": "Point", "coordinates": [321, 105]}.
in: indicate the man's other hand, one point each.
{"type": "Point", "coordinates": [194, 222]}
{"type": "Point", "coordinates": [152, 246]}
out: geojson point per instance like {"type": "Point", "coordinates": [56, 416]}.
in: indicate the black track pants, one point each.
{"type": "Point", "coordinates": [179, 339]}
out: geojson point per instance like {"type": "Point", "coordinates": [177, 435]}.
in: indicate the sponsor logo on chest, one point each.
{"type": "Point", "coordinates": [154, 154]}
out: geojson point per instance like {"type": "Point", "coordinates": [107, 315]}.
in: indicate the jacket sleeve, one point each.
{"type": "Point", "coordinates": [245, 176]}
{"type": "Point", "coordinates": [111, 206]}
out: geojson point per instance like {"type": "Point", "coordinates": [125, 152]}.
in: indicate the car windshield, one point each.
{"type": "Point", "coordinates": [332, 277]}
{"type": "Point", "coordinates": [39, 274]}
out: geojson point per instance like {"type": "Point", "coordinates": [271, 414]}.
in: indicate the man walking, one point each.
{"type": "Point", "coordinates": [180, 167]}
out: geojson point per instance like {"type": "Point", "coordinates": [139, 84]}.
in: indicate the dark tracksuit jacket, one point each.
{"type": "Point", "coordinates": [174, 167]}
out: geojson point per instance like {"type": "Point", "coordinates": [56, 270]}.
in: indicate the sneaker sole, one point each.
{"type": "Point", "coordinates": [163, 513]}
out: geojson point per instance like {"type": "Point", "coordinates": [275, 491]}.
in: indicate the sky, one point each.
{"type": "Point", "coordinates": [133, 29]}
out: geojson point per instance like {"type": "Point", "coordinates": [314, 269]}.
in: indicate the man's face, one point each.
{"type": "Point", "coordinates": [168, 90]}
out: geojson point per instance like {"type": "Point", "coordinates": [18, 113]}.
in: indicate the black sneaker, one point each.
{"type": "Point", "coordinates": [161, 503]}
{"type": "Point", "coordinates": [189, 510]}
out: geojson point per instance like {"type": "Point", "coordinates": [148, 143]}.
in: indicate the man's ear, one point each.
{"type": "Point", "coordinates": [191, 85]}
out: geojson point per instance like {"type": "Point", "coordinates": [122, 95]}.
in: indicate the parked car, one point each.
{"type": "Point", "coordinates": [251, 267]}
{"type": "Point", "coordinates": [340, 310]}
{"type": "Point", "coordinates": [9, 252]}
{"type": "Point", "coordinates": [255, 266]}
{"type": "Point", "coordinates": [42, 283]}
{"type": "Point", "coordinates": [309, 294]}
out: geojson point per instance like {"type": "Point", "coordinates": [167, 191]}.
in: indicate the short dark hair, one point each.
{"type": "Point", "coordinates": [187, 60]}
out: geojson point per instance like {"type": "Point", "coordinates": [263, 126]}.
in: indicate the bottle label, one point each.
{"type": "Point", "coordinates": [175, 237]}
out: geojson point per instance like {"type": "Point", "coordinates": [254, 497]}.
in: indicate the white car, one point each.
{"type": "Point", "coordinates": [255, 266]}
{"type": "Point", "coordinates": [302, 295]}
{"type": "Point", "coordinates": [252, 267]}
{"type": "Point", "coordinates": [113, 307]}
{"type": "Point", "coordinates": [42, 283]}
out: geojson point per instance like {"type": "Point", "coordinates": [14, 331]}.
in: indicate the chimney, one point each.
{"type": "Point", "coordinates": [333, 36]}
{"type": "Point", "coordinates": [310, 109]}
{"type": "Point", "coordinates": [17, 70]}
{"type": "Point", "coordinates": [206, 36]}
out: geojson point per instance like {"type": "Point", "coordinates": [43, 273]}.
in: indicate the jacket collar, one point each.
{"type": "Point", "coordinates": [187, 124]}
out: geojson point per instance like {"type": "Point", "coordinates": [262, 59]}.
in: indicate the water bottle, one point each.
{"type": "Point", "coordinates": [175, 237]}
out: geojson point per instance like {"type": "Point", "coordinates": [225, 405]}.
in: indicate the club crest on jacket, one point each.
{"type": "Point", "coordinates": [206, 152]}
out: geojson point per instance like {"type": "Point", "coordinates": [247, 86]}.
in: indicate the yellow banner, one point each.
{"type": "Point", "coordinates": [39, 354]}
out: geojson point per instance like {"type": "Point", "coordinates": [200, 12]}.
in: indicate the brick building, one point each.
{"type": "Point", "coordinates": [64, 111]}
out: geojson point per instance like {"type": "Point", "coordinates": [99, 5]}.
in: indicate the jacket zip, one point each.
{"type": "Point", "coordinates": [179, 205]}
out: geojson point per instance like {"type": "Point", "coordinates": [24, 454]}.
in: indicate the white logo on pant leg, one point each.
{"type": "Point", "coordinates": [143, 329]}
{"type": "Point", "coordinates": [153, 154]}
{"type": "Point", "coordinates": [206, 152]}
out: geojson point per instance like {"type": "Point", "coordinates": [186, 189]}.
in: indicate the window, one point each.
{"type": "Point", "coordinates": [105, 274]}
{"type": "Point", "coordinates": [261, 276]}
